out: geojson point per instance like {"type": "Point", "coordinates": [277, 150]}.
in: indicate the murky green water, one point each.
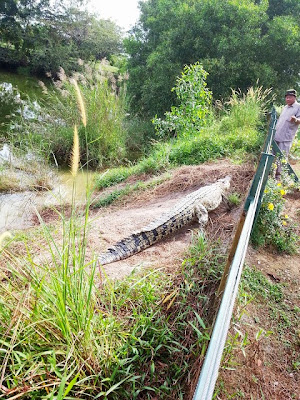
{"type": "Point", "coordinates": [17, 209]}
{"type": "Point", "coordinates": [26, 85]}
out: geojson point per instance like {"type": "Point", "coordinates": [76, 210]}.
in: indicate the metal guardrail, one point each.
{"type": "Point", "coordinates": [233, 269]}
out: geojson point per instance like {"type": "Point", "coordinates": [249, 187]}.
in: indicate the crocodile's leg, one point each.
{"type": "Point", "coordinates": [201, 214]}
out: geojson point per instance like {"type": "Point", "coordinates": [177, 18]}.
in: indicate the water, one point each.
{"type": "Point", "coordinates": [19, 97]}
{"type": "Point", "coordinates": [17, 210]}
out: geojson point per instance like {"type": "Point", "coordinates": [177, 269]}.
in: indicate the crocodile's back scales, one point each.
{"type": "Point", "coordinates": [207, 197]}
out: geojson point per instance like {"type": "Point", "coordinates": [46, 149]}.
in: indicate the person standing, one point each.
{"type": "Point", "coordinates": [287, 125]}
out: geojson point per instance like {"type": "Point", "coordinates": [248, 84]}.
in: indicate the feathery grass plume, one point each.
{"type": "Point", "coordinates": [4, 236]}
{"type": "Point", "coordinates": [80, 101]}
{"type": "Point", "coordinates": [43, 87]}
{"type": "Point", "coordinates": [75, 156]}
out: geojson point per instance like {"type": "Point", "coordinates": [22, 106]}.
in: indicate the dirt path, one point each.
{"type": "Point", "coordinates": [268, 367]}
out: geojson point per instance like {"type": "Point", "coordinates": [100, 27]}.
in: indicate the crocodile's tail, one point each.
{"type": "Point", "coordinates": [145, 238]}
{"type": "Point", "coordinates": [128, 246]}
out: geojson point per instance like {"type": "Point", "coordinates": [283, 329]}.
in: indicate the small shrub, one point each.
{"type": "Point", "coordinates": [234, 198]}
{"type": "Point", "coordinates": [194, 104]}
{"type": "Point", "coordinates": [273, 227]}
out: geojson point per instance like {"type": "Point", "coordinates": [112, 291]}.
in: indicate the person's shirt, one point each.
{"type": "Point", "coordinates": [285, 129]}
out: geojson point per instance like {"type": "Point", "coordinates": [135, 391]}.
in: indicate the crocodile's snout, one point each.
{"type": "Point", "coordinates": [225, 181]}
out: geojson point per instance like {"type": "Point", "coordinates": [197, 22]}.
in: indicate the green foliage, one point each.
{"type": "Point", "coordinates": [118, 193]}
{"type": "Point", "coordinates": [234, 133]}
{"type": "Point", "coordinates": [274, 227]}
{"type": "Point", "coordinates": [155, 162]}
{"type": "Point", "coordinates": [194, 101]}
{"type": "Point", "coordinates": [237, 42]}
{"type": "Point", "coordinates": [283, 7]}
{"type": "Point", "coordinates": [284, 318]}
{"type": "Point", "coordinates": [234, 198]}
{"type": "Point", "coordinates": [295, 149]}
{"type": "Point", "coordinates": [140, 136]}
{"type": "Point", "coordinates": [258, 285]}
{"type": "Point", "coordinates": [44, 35]}
{"type": "Point", "coordinates": [212, 144]}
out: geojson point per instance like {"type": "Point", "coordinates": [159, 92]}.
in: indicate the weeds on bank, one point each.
{"type": "Point", "coordinates": [234, 133]}
{"type": "Point", "coordinates": [24, 172]}
{"type": "Point", "coordinates": [128, 189]}
{"type": "Point", "coordinates": [273, 226]}
{"type": "Point", "coordinates": [283, 319]}
{"type": "Point", "coordinates": [234, 199]}
{"type": "Point", "coordinates": [156, 162]}
{"type": "Point", "coordinates": [276, 322]}
{"type": "Point", "coordinates": [50, 130]}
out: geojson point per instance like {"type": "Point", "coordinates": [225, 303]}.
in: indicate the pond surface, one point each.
{"type": "Point", "coordinates": [17, 209]}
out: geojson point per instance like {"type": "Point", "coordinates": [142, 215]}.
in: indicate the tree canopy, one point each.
{"type": "Point", "coordinates": [237, 41]}
{"type": "Point", "coordinates": [45, 35]}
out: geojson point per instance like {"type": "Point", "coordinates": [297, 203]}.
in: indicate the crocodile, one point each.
{"type": "Point", "coordinates": [195, 205]}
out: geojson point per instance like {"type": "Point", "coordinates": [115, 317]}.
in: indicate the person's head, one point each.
{"type": "Point", "coordinates": [290, 96]}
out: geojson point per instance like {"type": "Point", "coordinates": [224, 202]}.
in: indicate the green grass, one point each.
{"type": "Point", "coordinates": [284, 319]}
{"type": "Point", "coordinates": [275, 322]}
{"type": "Point", "coordinates": [193, 151]}
{"type": "Point", "coordinates": [234, 199]}
{"type": "Point", "coordinates": [254, 282]}
{"type": "Point", "coordinates": [106, 200]}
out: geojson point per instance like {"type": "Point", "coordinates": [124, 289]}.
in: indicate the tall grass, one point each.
{"type": "Point", "coordinates": [64, 337]}
{"type": "Point", "coordinates": [101, 129]}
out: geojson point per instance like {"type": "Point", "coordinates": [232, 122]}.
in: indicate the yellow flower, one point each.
{"type": "Point", "coordinates": [284, 223]}
{"type": "Point", "coordinates": [282, 192]}
{"type": "Point", "coordinates": [271, 206]}
{"type": "Point", "coordinates": [286, 216]}
{"type": "Point", "coordinates": [266, 190]}
{"type": "Point", "coordinates": [278, 184]}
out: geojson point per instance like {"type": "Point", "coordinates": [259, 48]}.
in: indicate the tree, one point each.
{"type": "Point", "coordinates": [283, 7]}
{"type": "Point", "coordinates": [45, 35]}
{"type": "Point", "coordinates": [232, 39]}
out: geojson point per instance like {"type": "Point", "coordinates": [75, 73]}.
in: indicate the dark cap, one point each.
{"type": "Point", "coordinates": [291, 92]}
